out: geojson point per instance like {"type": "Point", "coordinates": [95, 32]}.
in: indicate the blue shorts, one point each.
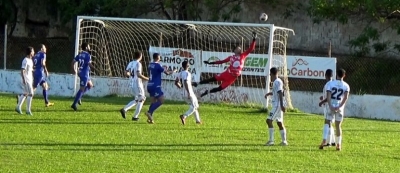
{"type": "Point", "coordinates": [84, 80]}
{"type": "Point", "coordinates": [38, 80]}
{"type": "Point", "coordinates": [155, 92]}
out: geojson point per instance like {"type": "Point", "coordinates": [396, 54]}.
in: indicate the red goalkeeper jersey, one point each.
{"type": "Point", "coordinates": [237, 62]}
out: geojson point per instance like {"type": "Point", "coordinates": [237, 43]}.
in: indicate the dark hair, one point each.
{"type": "Point", "coordinates": [185, 63]}
{"type": "Point", "coordinates": [137, 54]}
{"type": "Point", "coordinates": [41, 46]}
{"type": "Point", "coordinates": [155, 55]}
{"type": "Point", "coordinates": [28, 50]}
{"type": "Point", "coordinates": [329, 72]}
{"type": "Point", "coordinates": [273, 70]}
{"type": "Point", "coordinates": [84, 46]}
{"type": "Point", "coordinates": [340, 73]}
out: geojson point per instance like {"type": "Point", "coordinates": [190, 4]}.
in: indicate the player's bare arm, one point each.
{"type": "Point", "coordinates": [73, 66]}
{"type": "Point", "coordinates": [268, 94]}
{"type": "Point", "coordinates": [345, 97]}
{"type": "Point", "coordinates": [328, 99]}
{"type": "Point", "coordinates": [45, 67]}
{"type": "Point", "coordinates": [141, 76]}
{"type": "Point", "coordinates": [23, 76]}
{"type": "Point", "coordinates": [169, 72]}
{"type": "Point", "coordinates": [323, 101]}
{"type": "Point", "coordinates": [177, 83]}
{"type": "Point", "coordinates": [281, 101]}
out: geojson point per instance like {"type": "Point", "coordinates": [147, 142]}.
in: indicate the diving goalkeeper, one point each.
{"type": "Point", "coordinates": [229, 76]}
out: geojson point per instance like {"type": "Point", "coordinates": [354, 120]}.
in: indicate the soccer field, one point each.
{"type": "Point", "coordinates": [97, 139]}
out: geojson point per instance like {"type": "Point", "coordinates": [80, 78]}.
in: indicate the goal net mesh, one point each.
{"type": "Point", "coordinates": [113, 43]}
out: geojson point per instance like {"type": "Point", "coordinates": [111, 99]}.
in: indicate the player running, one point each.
{"type": "Point", "coordinates": [184, 80]}
{"type": "Point", "coordinates": [331, 134]}
{"type": "Point", "coordinates": [27, 82]}
{"type": "Point", "coordinates": [84, 61]}
{"type": "Point", "coordinates": [229, 76]}
{"type": "Point", "coordinates": [337, 94]}
{"type": "Point", "coordinates": [154, 86]}
{"type": "Point", "coordinates": [41, 73]}
{"type": "Point", "coordinates": [278, 108]}
{"type": "Point", "coordinates": [134, 71]}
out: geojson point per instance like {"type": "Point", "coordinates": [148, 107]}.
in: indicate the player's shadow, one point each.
{"type": "Point", "coordinates": [146, 147]}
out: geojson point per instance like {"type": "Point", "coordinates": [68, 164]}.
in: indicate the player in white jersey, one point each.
{"type": "Point", "coordinates": [134, 71]}
{"type": "Point", "coordinates": [331, 135]}
{"type": "Point", "coordinates": [184, 81]}
{"type": "Point", "coordinates": [337, 94]}
{"type": "Point", "coordinates": [278, 108]}
{"type": "Point", "coordinates": [27, 82]}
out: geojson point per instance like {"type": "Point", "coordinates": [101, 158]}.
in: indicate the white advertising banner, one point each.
{"type": "Point", "coordinates": [255, 65]}
{"type": "Point", "coordinates": [172, 58]}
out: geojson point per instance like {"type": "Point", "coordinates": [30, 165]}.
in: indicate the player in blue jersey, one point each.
{"type": "Point", "coordinates": [40, 75]}
{"type": "Point", "coordinates": [154, 85]}
{"type": "Point", "coordinates": [84, 65]}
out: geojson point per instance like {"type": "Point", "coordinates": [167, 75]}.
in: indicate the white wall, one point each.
{"type": "Point", "coordinates": [363, 106]}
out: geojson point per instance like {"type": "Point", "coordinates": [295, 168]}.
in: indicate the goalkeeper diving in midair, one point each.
{"type": "Point", "coordinates": [229, 76]}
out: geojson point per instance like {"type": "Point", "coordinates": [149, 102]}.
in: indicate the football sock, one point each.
{"type": "Point", "coordinates": [21, 99]}
{"type": "Point", "coordinates": [189, 112]}
{"type": "Point", "coordinates": [339, 140]}
{"type": "Point", "coordinates": [28, 103]}
{"type": "Point", "coordinates": [271, 134]}
{"type": "Point", "coordinates": [332, 135]}
{"type": "Point", "coordinates": [130, 105]}
{"type": "Point", "coordinates": [326, 131]}
{"type": "Point", "coordinates": [328, 140]}
{"type": "Point", "coordinates": [46, 99]}
{"type": "Point", "coordinates": [139, 107]}
{"type": "Point", "coordinates": [283, 135]}
{"type": "Point", "coordinates": [197, 116]}
{"type": "Point", "coordinates": [87, 88]}
{"type": "Point", "coordinates": [154, 106]}
{"type": "Point", "coordinates": [78, 97]}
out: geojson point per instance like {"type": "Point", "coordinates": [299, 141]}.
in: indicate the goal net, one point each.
{"type": "Point", "coordinates": [114, 40]}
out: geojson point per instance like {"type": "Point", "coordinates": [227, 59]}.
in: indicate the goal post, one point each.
{"type": "Point", "coordinates": [114, 40]}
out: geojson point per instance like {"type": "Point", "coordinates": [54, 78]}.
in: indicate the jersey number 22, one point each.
{"type": "Point", "coordinates": [337, 93]}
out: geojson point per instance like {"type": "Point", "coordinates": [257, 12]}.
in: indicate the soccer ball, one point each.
{"type": "Point", "coordinates": [263, 17]}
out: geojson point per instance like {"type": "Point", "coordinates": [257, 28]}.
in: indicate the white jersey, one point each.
{"type": "Point", "coordinates": [337, 88]}
{"type": "Point", "coordinates": [186, 76]}
{"type": "Point", "coordinates": [135, 68]}
{"type": "Point", "coordinates": [276, 87]}
{"type": "Point", "coordinates": [27, 65]}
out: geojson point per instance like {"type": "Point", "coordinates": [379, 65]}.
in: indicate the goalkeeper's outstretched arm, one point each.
{"type": "Point", "coordinates": [219, 62]}
{"type": "Point", "coordinates": [252, 45]}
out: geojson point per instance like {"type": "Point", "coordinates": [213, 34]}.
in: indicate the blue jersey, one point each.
{"type": "Point", "coordinates": [155, 75]}
{"type": "Point", "coordinates": [83, 59]}
{"type": "Point", "coordinates": [37, 63]}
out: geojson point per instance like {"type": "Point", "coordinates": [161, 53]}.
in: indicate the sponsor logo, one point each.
{"type": "Point", "coordinates": [299, 61]}
{"type": "Point", "coordinates": [182, 53]}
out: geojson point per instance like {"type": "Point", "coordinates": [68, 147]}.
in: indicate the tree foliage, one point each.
{"type": "Point", "coordinates": [385, 12]}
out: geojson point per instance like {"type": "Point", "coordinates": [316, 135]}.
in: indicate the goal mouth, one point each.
{"type": "Point", "coordinates": [115, 40]}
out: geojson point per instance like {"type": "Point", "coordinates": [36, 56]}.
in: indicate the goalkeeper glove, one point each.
{"type": "Point", "coordinates": [254, 35]}
{"type": "Point", "coordinates": [206, 62]}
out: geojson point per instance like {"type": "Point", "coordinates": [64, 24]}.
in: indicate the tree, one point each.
{"type": "Point", "coordinates": [8, 14]}
{"type": "Point", "coordinates": [382, 11]}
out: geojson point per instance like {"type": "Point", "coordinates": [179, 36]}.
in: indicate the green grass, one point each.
{"type": "Point", "coordinates": [97, 139]}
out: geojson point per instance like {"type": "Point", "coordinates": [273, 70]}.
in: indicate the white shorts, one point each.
{"type": "Point", "coordinates": [192, 101]}
{"type": "Point", "coordinates": [27, 88]}
{"type": "Point", "coordinates": [334, 116]}
{"type": "Point", "coordinates": [138, 92]}
{"type": "Point", "coordinates": [276, 114]}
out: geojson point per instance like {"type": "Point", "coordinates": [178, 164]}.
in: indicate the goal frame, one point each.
{"type": "Point", "coordinates": [272, 29]}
